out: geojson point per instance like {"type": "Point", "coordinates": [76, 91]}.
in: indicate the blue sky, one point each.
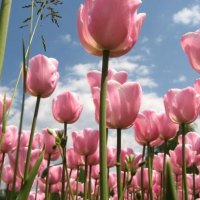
{"type": "Point", "coordinates": [157, 61]}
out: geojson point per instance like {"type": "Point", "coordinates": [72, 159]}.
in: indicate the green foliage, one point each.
{"type": "Point", "coordinates": [81, 175]}
{"type": "Point", "coordinates": [170, 187]}
{"type": "Point", "coordinates": [29, 181]}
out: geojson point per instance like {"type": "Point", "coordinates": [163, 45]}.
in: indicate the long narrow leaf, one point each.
{"type": "Point", "coordinates": [29, 181]}
{"type": "Point", "coordinates": [170, 187]}
{"type": "Point", "coordinates": [4, 21]}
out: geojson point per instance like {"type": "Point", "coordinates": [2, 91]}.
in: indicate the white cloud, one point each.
{"type": "Point", "coordinates": [181, 79]}
{"type": "Point", "coordinates": [144, 40]}
{"type": "Point", "coordinates": [66, 38]}
{"type": "Point", "coordinates": [147, 82]}
{"type": "Point", "coordinates": [188, 16]}
{"type": "Point", "coordinates": [159, 40]}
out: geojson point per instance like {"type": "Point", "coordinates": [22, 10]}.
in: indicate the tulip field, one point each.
{"type": "Point", "coordinates": [42, 166]}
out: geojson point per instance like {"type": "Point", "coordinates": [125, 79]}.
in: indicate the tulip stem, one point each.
{"type": "Point", "coordinates": [77, 183]}
{"type": "Point", "coordinates": [64, 144]}
{"type": "Point", "coordinates": [90, 179]}
{"type": "Point", "coordinates": [47, 178]}
{"type": "Point", "coordinates": [2, 163]}
{"type": "Point", "coordinates": [64, 170]}
{"type": "Point", "coordinates": [184, 163]}
{"type": "Point", "coordinates": [118, 164]}
{"type": "Point", "coordinates": [102, 129]}
{"type": "Point", "coordinates": [28, 157]}
{"type": "Point", "coordinates": [142, 172]}
{"type": "Point", "coordinates": [85, 178]}
{"type": "Point", "coordinates": [194, 184]}
{"type": "Point", "coordinates": [149, 172]}
{"type": "Point", "coordinates": [164, 170]}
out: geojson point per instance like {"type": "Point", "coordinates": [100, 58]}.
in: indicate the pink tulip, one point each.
{"type": "Point", "coordinates": [93, 159]}
{"type": "Point", "coordinates": [123, 103]}
{"type": "Point", "coordinates": [74, 160]}
{"type": "Point", "coordinates": [158, 162]}
{"type": "Point", "coordinates": [167, 128]}
{"type": "Point", "coordinates": [146, 127]}
{"type": "Point", "coordinates": [95, 172]}
{"type": "Point", "coordinates": [50, 147]}
{"type": "Point", "coordinates": [21, 163]}
{"type": "Point", "coordinates": [94, 77]}
{"type": "Point", "coordinates": [182, 105]}
{"type": "Point", "coordinates": [9, 140]}
{"type": "Point", "coordinates": [197, 85]}
{"type": "Point", "coordinates": [40, 195]}
{"type": "Point", "coordinates": [66, 107]}
{"type": "Point", "coordinates": [86, 141]}
{"type": "Point", "coordinates": [24, 140]}
{"type": "Point", "coordinates": [191, 138]}
{"type": "Point", "coordinates": [101, 27]}
{"type": "Point", "coordinates": [111, 156]}
{"type": "Point", "coordinates": [42, 76]}
{"type": "Point", "coordinates": [176, 155]}
{"type": "Point", "coordinates": [112, 180]}
{"type": "Point", "coordinates": [125, 153]}
{"type": "Point", "coordinates": [80, 187]}
{"type": "Point", "coordinates": [145, 178]}
{"type": "Point", "coordinates": [190, 44]}
{"type": "Point", "coordinates": [7, 175]}
{"type": "Point", "coordinates": [8, 104]}
{"type": "Point", "coordinates": [55, 174]}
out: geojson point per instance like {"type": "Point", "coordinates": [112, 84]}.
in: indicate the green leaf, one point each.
{"type": "Point", "coordinates": [81, 175]}
{"type": "Point", "coordinates": [54, 196]}
{"type": "Point", "coordinates": [29, 181]}
{"type": "Point", "coordinates": [170, 187]}
{"type": "Point", "coordinates": [4, 22]}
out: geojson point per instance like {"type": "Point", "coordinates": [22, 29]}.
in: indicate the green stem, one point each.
{"type": "Point", "coordinates": [77, 183]}
{"type": "Point", "coordinates": [194, 184]}
{"type": "Point", "coordinates": [2, 163]}
{"type": "Point", "coordinates": [149, 172]}
{"type": "Point", "coordinates": [164, 170]}
{"type": "Point", "coordinates": [184, 163]}
{"type": "Point", "coordinates": [102, 129]}
{"type": "Point", "coordinates": [47, 178]}
{"type": "Point", "coordinates": [4, 22]}
{"type": "Point", "coordinates": [85, 178]}
{"type": "Point", "coordinates": [28, 157]}
{"type": "Point", "coordinates": [63, 194]}
{"type": "Point", "coordinates": [142, 172]}
{"type": "Point", "coordinates": [118, 164]}
{"type": "Point", "coordinates": [90, 182]}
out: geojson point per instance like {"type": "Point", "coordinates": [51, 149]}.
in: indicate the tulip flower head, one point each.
{"type": "Point", "coordinates": [123, 103]}
{"type": "Point", "coordinates": [94, 77]}
{"type": "Point", "coordinates": [66, 107]}
{"type": "Point", "coordinates": [42, 76]}
{"type": "Point", "coordinates": [167, 128]}
{"type": "Point", "coordinates": [190, 44]}
{"type": "Point", "coordinates": [146, 127]}
{"type": "Point", "coordinates": [182, 105]}
{"type": "Point", "coordinates": [101, 27]}
{"type": "Point", "coordinates": [86, 141]}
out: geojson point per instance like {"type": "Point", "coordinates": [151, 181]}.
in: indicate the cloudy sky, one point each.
{"type": "Point", "coordinates": [157, 61]}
